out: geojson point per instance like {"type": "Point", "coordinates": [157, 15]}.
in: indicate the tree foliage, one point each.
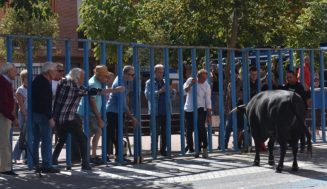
{"type": "Point", "coordinates": [30, 17]}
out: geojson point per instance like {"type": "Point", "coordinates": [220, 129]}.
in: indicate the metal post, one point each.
{"type": "Point", "coordinates": [86, 47]}
{"type": "Point", "coordinates": [280, 68]}
{"type": "Point", "coordinates": [291, 60]}
{"type": "Point", "coordinates": [103, 56]}
{"type": "Point", "coordinates": [313, 109]}
{"type": "Point", "coordinates": [257, 52]}
{"type": "Point", "coordinates": [122, 101]}
{"type": "Point", "coordinates": [233, 99]}
{"type": "Point", "coordinates": [322, 89]}
{"type": "Point", "coordinates": [246, 95]}
{"type": "Point", "coordinates": [29, 102]}
{"type": "Point", "coordinates": [137, 105]}
{"type": "Point", "coordinates": [302, 67]}
{"type": "Point", "coordinates": [195, 103]}
{"type": "Point", "coordinates": [181, 95]}
{"type": "Point", "coordinates": [168, 102]}
{"type": "Point", "coordinates": [153, 108]}
{"type": "Point", "coordinates": [207, 61]}
{"type": "Point", "coordinates": [49, 49]}
{"type": "Point", "coordinates": [9, 59]}
{"type": "Point", "coordinates": [269, 71]}
{"type": "Point", "coordinates": [221, 100]}
{"type": "Point", "coordinates": [68, 136]}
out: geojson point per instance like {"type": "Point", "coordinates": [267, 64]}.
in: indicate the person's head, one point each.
{"type": "Point", "coordinates": [291, 77]}
{"type": "Point", "coordinates": [49, 70]}
{"type": "Point", "coordinates": [306, 60]}
{"type": "Point", "coordinates": [128, 72]}
{"type": "Point", "coordinates": [60, 71]}
{"type": "Point", "coordinates": [202, 75]}
{"type": "Point", "coordinates": [9, 69]}
{"type": "Point", "coordinates": [77, 75]}
{"type": "Point", "coordinates": [159, 71]}
{"type": "Point", "coordinates": [24, 77]}
{"type": "Point", "coordinates": [110, 79]}
{"type": "Point", "coordinates": [101, 72]}
{"type": "Point", "coordinates": [253, 74]}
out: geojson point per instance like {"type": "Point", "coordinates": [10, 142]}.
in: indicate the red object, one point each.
{"type": "Point", "coordinates": [7, 101]}
{"type": "Point", "coordinates": [262, 147]}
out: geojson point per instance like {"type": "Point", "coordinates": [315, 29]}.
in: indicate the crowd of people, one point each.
{"type": "Point", "coordinates": [58, 106]}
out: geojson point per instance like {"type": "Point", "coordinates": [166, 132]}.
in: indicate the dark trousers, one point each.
{"type": "Point", "coordinates": [229, 126]}
{"type": "Point", "coordinates": [161, 130]}
{"type": "Point", "coordinates": [74, 127]}
{"type": "Point", "coordinates": [112, 132]}
{"type": "Point", "coordinates": [202, 131]}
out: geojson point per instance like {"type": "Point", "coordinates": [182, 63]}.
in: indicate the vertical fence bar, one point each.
{"type": "Point", "coordinates": [291, 63]}
{"type": "Point", "coordinates": [258, 65]}
{"type": "Point", "coordinates": [103, 56]}
{"type": "Point", "coordinates": [269, 70]}
{"type": "Point", "coordinates": [313, 109]}
{"type": "Point", "coordinates": [302, 67]}
{"type": "Point", "coordinates": [207, 61]}
{"type": "Point", "coordinates": [280, 68]}
{"type": "Point", "coordinates": [9, 48]}
{"type": "Point", "coordinates": [137, 105]}
{"type": "Point", "coordinates": [86, 46]}
{"type": "Point", "coordinates": [246, 94]}
{"type": "Point", "coordinates": [181, 95]}
{"type": "Point", "coordinates": [195, 103]}
{"type": "Point", "coordinates": [168, 101]}
{"type": "Point", "coordinates": [153, 108]}
{"type": "Point", "coordinates": [322, 89]}
{"type": "Point", "coordinates": [49, 49]}
{"type": "Point", "coordinates": [68, 136]}
{"type": "Point", "coordinates": [29, 102]}
{"type": "Point", "coordinates": [9, 59]}
{"type": "Point", "coordinates": [221, 101]}
{"type": "Point", "coordinates": [121, 101]}
{"type": "Point", "coordinates": [233, 99]}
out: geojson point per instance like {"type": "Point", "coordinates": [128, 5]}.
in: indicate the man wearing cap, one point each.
{"type": "Point", "coordinates": [100, 76]}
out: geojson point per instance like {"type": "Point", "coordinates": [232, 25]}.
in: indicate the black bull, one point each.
{"type": "Point", "coordinates": [277, 115]}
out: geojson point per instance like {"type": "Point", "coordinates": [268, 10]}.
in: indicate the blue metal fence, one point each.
{"type": "Point", "coordinates": [182, 54]}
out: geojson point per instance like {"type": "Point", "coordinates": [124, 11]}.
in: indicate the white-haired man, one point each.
{"type": "Point", "coordinates": [7, 116]}
{"type": "Point", "coordinates": [68, 95]}
{"type": "Point", "coordinates": [43, 121]}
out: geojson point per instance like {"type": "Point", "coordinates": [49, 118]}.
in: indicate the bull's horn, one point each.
{"type": "Point", "coordinates": [240, 107]}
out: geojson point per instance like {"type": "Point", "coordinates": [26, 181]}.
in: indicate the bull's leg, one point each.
{"type": "Point", "coordinates": [295, 166]}
{"type": "Point", "coordinates": [257, 155]}
{"type": "Point", "coordinates": [271, 143]}
{"type": "Point", "coordinates": [283, 147]}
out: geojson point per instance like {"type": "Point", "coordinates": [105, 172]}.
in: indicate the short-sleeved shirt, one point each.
{"type": "Point", "coordinates": [113, 102]}
{"type": "Point", "coordinates": [93, 83]}
{"type": "Point", "coordinates": [23, 91]}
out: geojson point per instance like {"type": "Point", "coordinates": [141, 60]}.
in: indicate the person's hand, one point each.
{"type": "Point", "coordinates": [162, 90]}
{"type": "Point", "coordinates": [15, 123]}
{"type": "Point", "coordinates": [134, 121]}
{"type": "Point", "coordinates": [52, 123]}
{"type": "Point", "coordinates": [120, 89]}
{"type": "Point", "coordinates": [193, 81]}
{"type": "Point", "coordinates": [100, 123]}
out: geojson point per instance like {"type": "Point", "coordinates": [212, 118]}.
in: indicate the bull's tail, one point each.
{"type": "Point", "coordinates": [241, 108]}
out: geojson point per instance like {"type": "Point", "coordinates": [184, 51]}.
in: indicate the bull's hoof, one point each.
{"type": "Point", "coordinates": [256, 163]}
{"type": "Point", "coordinates": [271, 162]}
{"type": "Point", "coordinates": [279, 169]}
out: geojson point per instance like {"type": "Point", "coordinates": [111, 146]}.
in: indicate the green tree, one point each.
{"type": "Point", "coordinates": [30, 17]}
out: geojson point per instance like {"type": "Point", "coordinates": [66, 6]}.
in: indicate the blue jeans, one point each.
{"type": "Point", "coordinates": [229, 126]}
{"type": "Point", "coordinates": [42, 132]}
{"type": "Point", "coordinates": [17, 153]}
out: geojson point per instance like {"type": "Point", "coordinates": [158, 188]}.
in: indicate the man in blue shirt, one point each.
{"type": "Point", "coordinates": [159, 104]}
{"type": "Point", "coordinates": [112, 108]}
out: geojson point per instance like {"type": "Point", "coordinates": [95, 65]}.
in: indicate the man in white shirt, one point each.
{"type": "Point", "coordinates": [203, 107]}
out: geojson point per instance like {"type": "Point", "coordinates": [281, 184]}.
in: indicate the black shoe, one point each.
{"type": "Point", "coordinates": [86, 167]}
{"type": "Point", "coordinates": [11, 173]}
{"type": "Point", "coordinates": [50, 170]}
{"type": "Point", "coordinates": [191, 151]}
{"type": "Point", "coordinates": [96, 160]}
{"type": "Point", "coordinates": [197, 155]}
